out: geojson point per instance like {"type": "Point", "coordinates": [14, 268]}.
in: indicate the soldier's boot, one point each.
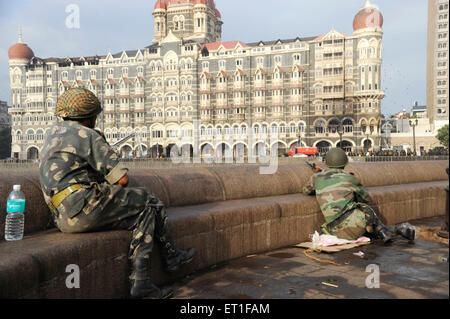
{"type": "Point", "coordinates": [142, 287]}
{"type": "Point", "coordinates": [385, 234]}
{"type": "Point", "coordinates": [173, 257]}
{"type": "Point", "coordinates": [406, 230]}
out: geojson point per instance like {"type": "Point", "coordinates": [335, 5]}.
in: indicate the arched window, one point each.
{"type": "Point", "coordinates": [333, 126]}
{"type": "Point", "coordinates": [40, 135]}
{"type": "Point", "coordinates": [236, 130]}
{"type": "Point", "coordinates": [320, 127]}
{"type": "Point", "coordinates": [264, 129]}
{"type": "Point", "coordinates": [301, 127]}
{"type": "Point", "coordinates": [292, 128]}
{"type": "Point", "coordinates": [274, 129]}
{"type": "Point", "coordinates": [348, 126]}
{"type": "Point", "coordinates": [30, 135]}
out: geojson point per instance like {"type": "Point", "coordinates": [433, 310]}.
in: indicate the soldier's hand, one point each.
{"type": "Point", "coordinates": [123, 181]}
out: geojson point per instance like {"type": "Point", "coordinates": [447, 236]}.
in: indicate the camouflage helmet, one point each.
{"type": "Point", "coordinates": [77, 104]}
{"type": "Point", "coordinates": [336, 158]}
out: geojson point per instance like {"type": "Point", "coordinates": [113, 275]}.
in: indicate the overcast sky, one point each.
{"type": "Point", "coordinates": [112, 25]}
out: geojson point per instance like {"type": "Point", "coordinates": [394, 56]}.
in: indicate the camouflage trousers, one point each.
{"type": "Point", "coordinates": [361, 221]}
{"type": "Point", "coordinates": [117, 208]}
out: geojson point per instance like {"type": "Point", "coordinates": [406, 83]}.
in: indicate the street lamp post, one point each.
{"type": "Point", "coordinates": [413, 124]}
{"type": "Point", "coordinates": [299, 136]}
{"type": "Point", "coordinates": [340, 131]}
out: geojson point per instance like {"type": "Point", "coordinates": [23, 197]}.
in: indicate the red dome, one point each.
{"type": "Point", "coordinates": [209, 3]}
{"type": "Point", "coordinates": [20, 51]}
{"type": "Point", "coordinates": [160, 4]}
{"type": "Point", "coordinates": [218, 15]}
{"type": "Point", "coordinates": [368, 17]}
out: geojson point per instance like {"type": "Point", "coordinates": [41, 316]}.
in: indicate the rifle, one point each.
{"type": "Point", "coordinates": [316, 168]}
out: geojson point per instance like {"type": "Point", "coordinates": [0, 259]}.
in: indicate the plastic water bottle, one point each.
{"type": "Point", "coordinates": [15, 208]}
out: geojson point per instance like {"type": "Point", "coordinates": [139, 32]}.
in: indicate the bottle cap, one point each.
{"type": "Point", "coordinates": [16, 188]}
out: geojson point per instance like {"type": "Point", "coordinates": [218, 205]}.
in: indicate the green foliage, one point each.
{"type": "Point", "coordinates": [442, 135]}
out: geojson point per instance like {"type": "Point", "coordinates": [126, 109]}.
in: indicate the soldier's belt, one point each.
{"type": "Point", "coordinates": [62, 195]}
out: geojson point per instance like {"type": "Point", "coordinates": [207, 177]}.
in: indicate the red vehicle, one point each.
{"type": "Point", "coordinates": [303, 151]}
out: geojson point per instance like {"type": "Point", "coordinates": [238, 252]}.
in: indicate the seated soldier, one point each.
{"type": "Point", "coordinates": [344, 203]}
{"type": "Point", "coordinates": [85, 186]}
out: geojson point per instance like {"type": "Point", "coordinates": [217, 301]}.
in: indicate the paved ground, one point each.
{"type": "Point", "coordinates": [418, 270]}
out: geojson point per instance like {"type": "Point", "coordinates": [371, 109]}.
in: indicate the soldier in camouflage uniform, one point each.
{"type": "Point", "coordinates": [85, 186]}
{"type": "Point", "coordinates": [344, 203]}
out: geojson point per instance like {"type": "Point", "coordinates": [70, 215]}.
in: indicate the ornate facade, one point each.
{"type": "Point", "coordinates": [318, 90]}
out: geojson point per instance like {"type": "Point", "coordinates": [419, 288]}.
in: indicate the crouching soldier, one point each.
{"type": "Point", "coordinates": [85, 187]}
{"type": "Point", "coordinates": [344, 203]}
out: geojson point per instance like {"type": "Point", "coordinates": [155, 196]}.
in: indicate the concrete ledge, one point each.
{"type": "Point", "coordinates": [194, 186]}
{"type": "Point", "coordinates": [223, 225]}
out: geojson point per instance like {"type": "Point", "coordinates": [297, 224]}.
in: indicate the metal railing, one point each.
{"type": "Point", "coordinates": [142, 163]}
{"type": "Point", "coordinates": [405, 158]}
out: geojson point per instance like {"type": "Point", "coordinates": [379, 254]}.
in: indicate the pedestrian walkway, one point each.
{"type": "Point", "coordinates": [418, 270]}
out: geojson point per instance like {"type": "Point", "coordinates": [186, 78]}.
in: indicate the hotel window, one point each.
{"type": "Point", "coordinates": [292, 128]}
{"type": "Point", "coordinates": [320, 127]}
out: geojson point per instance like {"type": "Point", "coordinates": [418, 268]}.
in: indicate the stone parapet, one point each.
{"type": "Point", "coordinates": [224, 212]}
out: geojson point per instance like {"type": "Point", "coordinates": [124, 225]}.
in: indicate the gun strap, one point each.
{"type": "Point", "coordinates": [341, 218]}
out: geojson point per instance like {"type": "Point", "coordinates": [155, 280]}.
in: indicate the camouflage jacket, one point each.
{"type": "Point", "coordinates": [74, 154]}
{"type": "Point", "coordinates": [337, 191]}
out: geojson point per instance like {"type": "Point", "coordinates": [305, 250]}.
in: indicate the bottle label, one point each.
{"type": "Point", "coordinates": [15, 206]}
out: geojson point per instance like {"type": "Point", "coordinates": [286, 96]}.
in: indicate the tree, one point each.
{"type": "Point", "coordinates": [5, 142]}
{"type": "Point", "coordinates": [442, 135]}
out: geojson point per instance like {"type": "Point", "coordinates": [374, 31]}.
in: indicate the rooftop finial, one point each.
{"type": "Point", "coordinates": [20, 35]}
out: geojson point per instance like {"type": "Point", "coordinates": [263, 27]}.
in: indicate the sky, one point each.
{"type": "Point", "coordinates": [113, 26]}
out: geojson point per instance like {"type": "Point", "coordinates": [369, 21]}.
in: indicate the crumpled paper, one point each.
{"type": "Point", "coordinates": [324, 240]}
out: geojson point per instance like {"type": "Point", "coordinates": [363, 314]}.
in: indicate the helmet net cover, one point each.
{"type": "Point", "coordinates": [77, 103]}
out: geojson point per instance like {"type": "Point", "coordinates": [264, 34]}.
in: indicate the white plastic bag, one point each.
{"type": "Point", "coordinates": [324, 240]}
